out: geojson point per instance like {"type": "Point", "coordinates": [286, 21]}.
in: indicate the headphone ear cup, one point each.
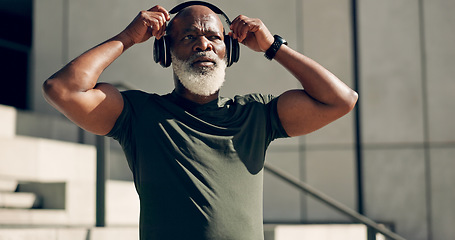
{"type": "Point", "coordinates": [162, 52]}
{"type": "Point", "coordinates": [232, 50]}
{"type": "Point", "coordinates": [157, 50]}
{"type": "Point", "coordinates": [228, 43]}
{"type": "Point", "coordinates": [235, 51]}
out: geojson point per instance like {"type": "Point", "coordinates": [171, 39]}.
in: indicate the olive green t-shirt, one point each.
{"type": "Point", "coordinates": [198, 168]}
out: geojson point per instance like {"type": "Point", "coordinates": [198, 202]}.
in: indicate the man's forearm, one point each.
{"type": "Point", "coordinates": [82, 73]}
{"type": "Point", "coordinates": [317, 81]}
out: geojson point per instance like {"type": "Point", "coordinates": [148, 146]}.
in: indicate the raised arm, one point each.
{"type": "Point", "coordinates": [74, 90]}
{"type": "Point", "coordinates": [323, 99]}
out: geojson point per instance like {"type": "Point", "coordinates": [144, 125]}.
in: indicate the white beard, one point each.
{"type": "Point", "coordinates": [204, 81]}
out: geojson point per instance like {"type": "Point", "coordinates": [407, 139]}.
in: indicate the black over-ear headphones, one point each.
{"type": "Point", "coordinates": [161, 48]}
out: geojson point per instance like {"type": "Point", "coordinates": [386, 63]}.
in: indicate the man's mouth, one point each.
{"type": "Point", "coordinates": [203, 62]}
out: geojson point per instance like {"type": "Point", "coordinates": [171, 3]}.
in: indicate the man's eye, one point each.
{"type": "Point", "coordinates": [215, 37]}
{"type": "Point", "coordinates": [188, 37]}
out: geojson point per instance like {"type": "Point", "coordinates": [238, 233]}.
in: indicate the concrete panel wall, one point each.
{"type": "Point", "coordinates": [47, 54]}
{"type": "Point", "coordinates": [439, 59]}
{"type": "Point", "coordinates": [392, 115]}
{"type": "Point", "coordinates": [328, 156]}
{"type": "Point", "coordinates": [407, 88]}
{"type": "Point", "coordinates": [442, 192]}
{"type": "Point", "coordinates": [282, 203]}
{"type": "Point", "coordinates": [440, 74]}
{"type": "Point", "coordinates": [390, 71]}
{"type": "Point", "coordinates": [395, 189]}
{"type": "Point", "coordinates": [331, 171]}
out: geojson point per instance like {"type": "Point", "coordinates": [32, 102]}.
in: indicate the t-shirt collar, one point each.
{"type": "Point", "coordinates": [193, 106]}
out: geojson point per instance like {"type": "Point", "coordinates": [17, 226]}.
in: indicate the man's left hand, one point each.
{"type": "Point", "coordinates": [252, 33]}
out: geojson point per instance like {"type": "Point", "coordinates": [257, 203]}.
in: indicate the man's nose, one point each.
{"type": "Point", "coordinates": [202, 44]}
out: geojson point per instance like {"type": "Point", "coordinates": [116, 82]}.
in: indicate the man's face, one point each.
{"type": "Point", "coordinates": [198, 50]}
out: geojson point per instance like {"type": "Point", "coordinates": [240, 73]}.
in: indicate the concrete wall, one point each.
{"type": "Point", "coordinates": [407, 58]}
{"type": "Point", "coordinates": [406, 93]}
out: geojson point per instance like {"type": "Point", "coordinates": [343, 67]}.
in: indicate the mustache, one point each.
{"type": "Point", "coordinates": [210, 55]}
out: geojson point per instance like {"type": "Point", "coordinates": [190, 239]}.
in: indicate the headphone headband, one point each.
{"type": "Point", "coordinates": [214, 8]}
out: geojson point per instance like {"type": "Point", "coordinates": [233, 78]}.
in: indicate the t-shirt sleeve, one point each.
{"type": "Point", "coordinates": [269, 106]}
{"type": "Point", "coordinates": [122, 127]}
{"type": "Point", "coordinates": [133, 102]}
{"type": "Point", "coordinates": [277, 128]}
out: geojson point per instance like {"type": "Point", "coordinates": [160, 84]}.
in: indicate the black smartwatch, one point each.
{"type": "Point", "coordinates": [270, 53]}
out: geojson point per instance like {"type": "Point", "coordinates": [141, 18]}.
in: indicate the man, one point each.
{"type": "Point", "coordinates": [196, 157]}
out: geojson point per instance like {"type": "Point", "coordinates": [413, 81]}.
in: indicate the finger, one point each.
{"type": "Point", "coordinates": [160, 9]}
{"type": "Point", "coordinates": [155, 27]}
{"type": "Point", "coordinates": [161, 32]}
{"type": "Point", "coordinates": [235, 26]}
{"type": "Point", "coordinates": [234, 29]}
{"type": "Point", "coordinates": [242, 28]}
{"type": "Point", "coordinates": [243, 31]}
{"type": "Point", "coordinates": [157, 23]}
{"type": "Point", "coordinates": [233, 22]}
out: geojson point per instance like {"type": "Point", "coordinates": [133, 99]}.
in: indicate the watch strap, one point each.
{"type": "Point", "coordinates": [271, 52]}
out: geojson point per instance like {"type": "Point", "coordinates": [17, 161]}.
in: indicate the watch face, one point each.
{"type": "Point", "coordinates": [282, 40]}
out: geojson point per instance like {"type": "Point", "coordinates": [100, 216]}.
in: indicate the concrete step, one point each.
{"type": "Point", "coordinates": [58, 127]}
{"type": "Point", "coordinates": [281, 232]}
{"type": "Point", "coordinates": [62, 174]}
{"type": "Point", "coordinates": [8, 185]}
{"type": "Point", "coordinates": [61, 207]}
{"type": "Point", "coordinates": [17, 122]}
{"type": "Point", "coordinates": [65, 173]}
{"type": "Point", "coordinates": [44, 234]}
{"type": "Point", "coordinates": [18, 200]}
{"type": "Point", "coordinates": [317, 231]}
{"type": "Point", "coordinates": [118, 233]}
{"type": "Point", "coordinates": [7, 121]}
{"type": "Point", "coordinates": [34, 218]}
{"type": "Point", "coordinates": [38, 159]}
{"type": "Point", "coordinates": [122, 204]}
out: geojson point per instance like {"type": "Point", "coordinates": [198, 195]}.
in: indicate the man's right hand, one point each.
{"type": "Point", "coordinates": [147, 24]}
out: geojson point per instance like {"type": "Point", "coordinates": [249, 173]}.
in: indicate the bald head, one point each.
{"type": "Point", "coordinates": [196, 14]}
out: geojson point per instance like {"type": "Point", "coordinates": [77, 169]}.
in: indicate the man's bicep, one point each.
{"type": "Point", "coordinates": [300, 114]}
{"type": "Point", "coordinates": [95, 110]}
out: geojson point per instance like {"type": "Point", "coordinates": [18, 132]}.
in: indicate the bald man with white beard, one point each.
{"type": "Point", "coordinates": [197, 157]}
